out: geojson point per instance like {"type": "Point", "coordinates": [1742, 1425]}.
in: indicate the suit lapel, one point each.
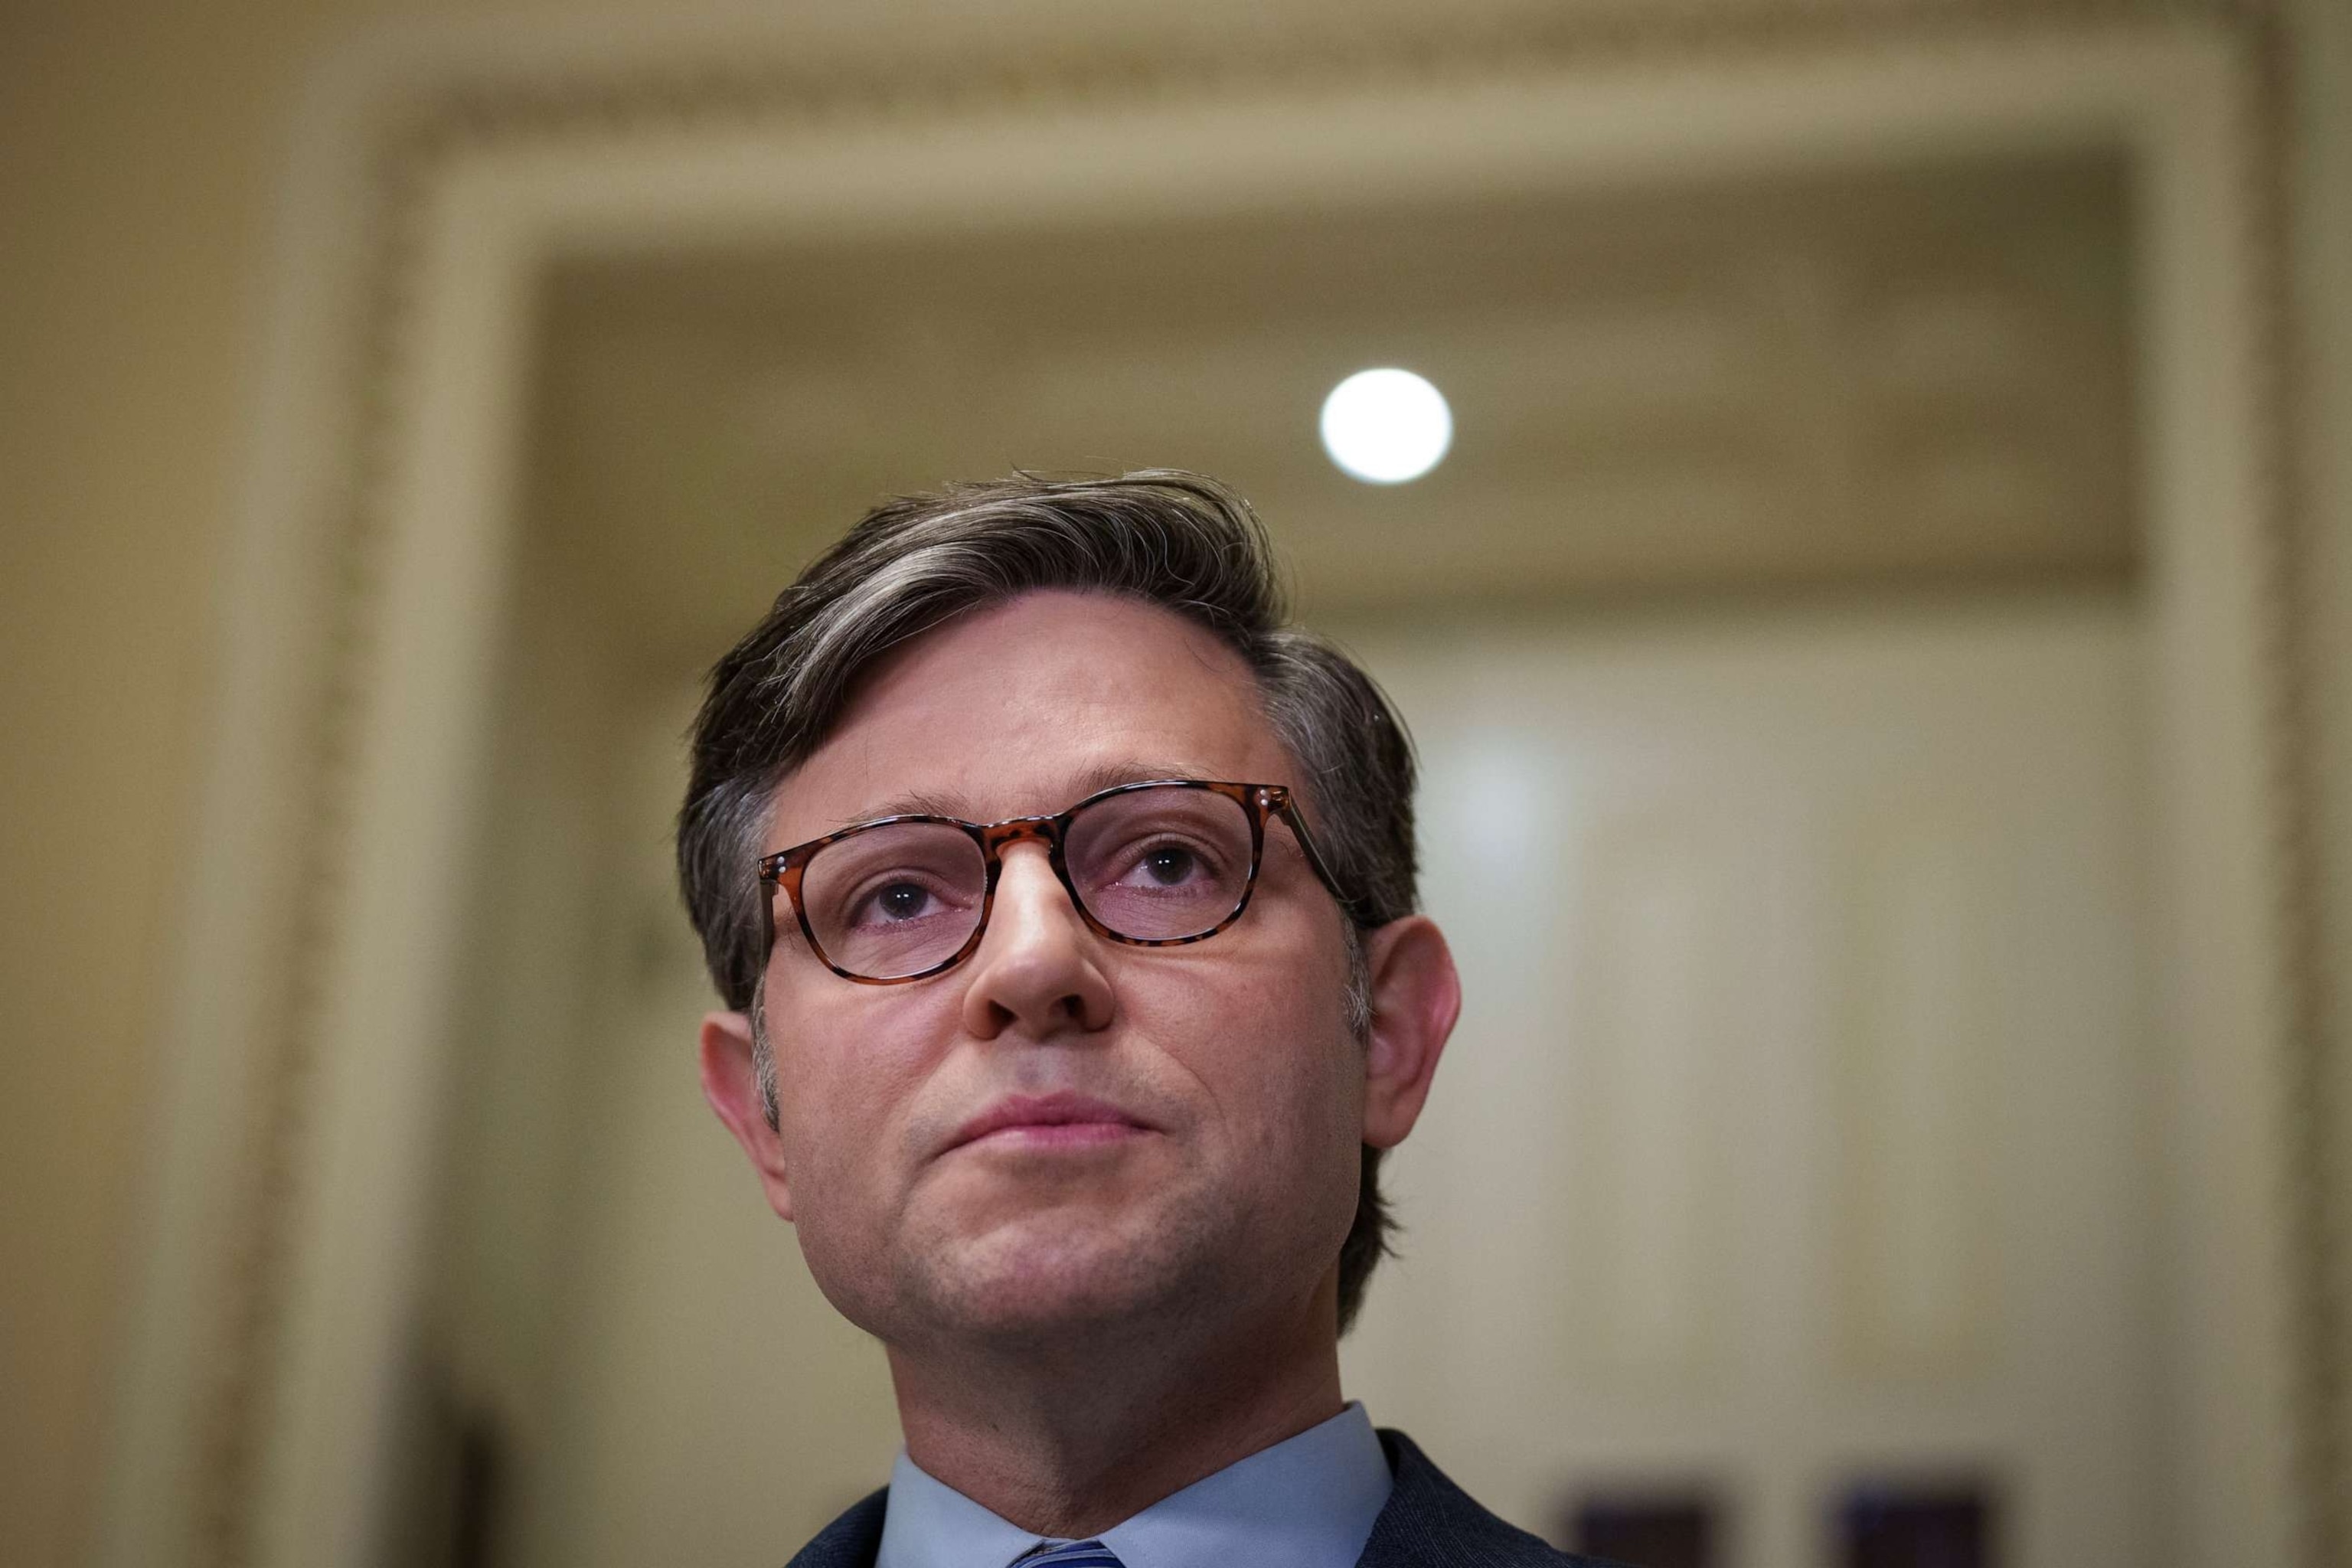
{"type": "Point", "coordinates": [1430, 1522]}
{"type": "Point", "coordinates": [849, 1541]}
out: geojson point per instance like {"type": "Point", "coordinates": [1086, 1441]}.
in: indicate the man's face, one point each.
{"type": "Point", "coordinates": [1220, 1160]}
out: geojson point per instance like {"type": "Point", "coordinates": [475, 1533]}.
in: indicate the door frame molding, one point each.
{"type": "Point", "coordinates": [438, 172]}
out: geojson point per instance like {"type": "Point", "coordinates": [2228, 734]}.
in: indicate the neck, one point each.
{"type": "Point", "coordinates": [1071, 1438]}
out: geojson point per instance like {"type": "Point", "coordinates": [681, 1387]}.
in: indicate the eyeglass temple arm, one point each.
{"type": "Point", "coordinates": [1349, 905]}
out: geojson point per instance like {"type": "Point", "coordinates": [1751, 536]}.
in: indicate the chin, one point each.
{"type": "Point", "coordinates": [1047, 1276]}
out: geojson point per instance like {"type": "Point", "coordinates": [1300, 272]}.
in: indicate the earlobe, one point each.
{"type": "Point", "coordinates": [1416, 997]}
{"type": "Point", "coordinates": [730, 1082]}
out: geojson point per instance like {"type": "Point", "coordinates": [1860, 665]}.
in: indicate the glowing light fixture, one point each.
{"type": "Point", "coordinates": [1385, 427]}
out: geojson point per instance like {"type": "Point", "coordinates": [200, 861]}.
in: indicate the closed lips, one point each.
{"type": "Point", "coordinates": [1075, 1112]}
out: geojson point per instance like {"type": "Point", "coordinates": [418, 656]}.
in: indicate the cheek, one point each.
{"type": "Point", "coordinates": [1307, 1159]}
{"type": "Point", "coordinates": [1273, 1052]}
{"type": "Point", "coordinates": [845, 1065]}
{"type": "Point", "coordinates": [1323, 1080]}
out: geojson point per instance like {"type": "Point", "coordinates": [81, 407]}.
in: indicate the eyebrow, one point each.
{"type": "Point", "coordinates": [1093, 779]}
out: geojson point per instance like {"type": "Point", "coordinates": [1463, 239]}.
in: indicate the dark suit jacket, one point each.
{"type": "Point", "coordinates": [1428, 1522]}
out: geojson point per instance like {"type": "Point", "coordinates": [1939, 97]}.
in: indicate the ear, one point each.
{"type": "Point", "coordinates": [730, 1082]}
{"type": "Point", "coordinates": [1416, 996]}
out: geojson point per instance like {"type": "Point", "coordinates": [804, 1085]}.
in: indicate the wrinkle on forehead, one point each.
{"type": "Point", "coordinates": [1088, 780]}
{"type": "Point", "coordinates": [1025, 709]}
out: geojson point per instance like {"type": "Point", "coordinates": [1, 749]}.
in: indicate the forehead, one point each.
{"type": "Point", "coordinates": [1022, 708]}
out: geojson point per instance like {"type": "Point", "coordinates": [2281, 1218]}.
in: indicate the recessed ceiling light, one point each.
{"type": "Point", "coordinates": [1385, 427]}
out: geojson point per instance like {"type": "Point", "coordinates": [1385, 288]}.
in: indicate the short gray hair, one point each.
{"type": "Point", "coordinates": [1179, 540]}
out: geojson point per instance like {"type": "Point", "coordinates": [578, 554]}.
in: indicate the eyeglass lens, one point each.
{"type": "Point", "coordinates": [1154, 865]}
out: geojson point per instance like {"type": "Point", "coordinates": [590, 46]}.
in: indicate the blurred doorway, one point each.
{"type": "Point", "coordinates": [1796, 1142]}
{"type": "Point", "coordinates": [1783, 574]}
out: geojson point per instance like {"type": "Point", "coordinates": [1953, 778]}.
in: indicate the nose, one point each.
{"type": "Point", "coordinates": [1037, 972]}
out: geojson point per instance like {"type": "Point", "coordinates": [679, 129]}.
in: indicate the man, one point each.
{"type": "Point", "coordinates": [1062, 900]}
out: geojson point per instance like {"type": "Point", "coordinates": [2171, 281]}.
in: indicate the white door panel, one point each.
{"type": "Point", "coordinates": [1794, 1132]}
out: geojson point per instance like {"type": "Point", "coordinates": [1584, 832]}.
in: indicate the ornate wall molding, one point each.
{"type": "Point", "coordinates": [2312, 1172]}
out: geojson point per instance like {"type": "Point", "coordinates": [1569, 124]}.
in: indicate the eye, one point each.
{"type": "Point", "coordinates": [902, 900]}
{"type": "Point", "coordinates": [1170, 864]}
{"type": "Point", "coordinates": [895, 901]}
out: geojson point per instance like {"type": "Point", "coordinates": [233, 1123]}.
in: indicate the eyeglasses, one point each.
{"type": "Point", "coordinates": [1156, 864]}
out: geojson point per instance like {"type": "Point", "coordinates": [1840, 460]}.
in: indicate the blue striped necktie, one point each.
{"type": "Point", "coordinates": [1076, 1554]}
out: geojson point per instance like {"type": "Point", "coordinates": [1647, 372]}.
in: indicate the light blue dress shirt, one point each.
{"type": "Point", "coordinates": [1306, 1503]}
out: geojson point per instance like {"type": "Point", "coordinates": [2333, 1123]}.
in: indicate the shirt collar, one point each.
{"type": "Point", "coordinates": [1309, 1501]}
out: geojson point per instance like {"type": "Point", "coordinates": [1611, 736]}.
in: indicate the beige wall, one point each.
{"type": "Point", "coordinates": [134, 162]}
{"type": "Point", "coordinates": [140, 144]}
{"type": "Point", "coordinates": [139, 147]}
{"type": "Point", "coordinates": [2322, 333]}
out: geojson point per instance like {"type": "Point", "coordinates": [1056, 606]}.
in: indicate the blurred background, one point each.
{"type": "Point", "coordinates": [1776, 624]}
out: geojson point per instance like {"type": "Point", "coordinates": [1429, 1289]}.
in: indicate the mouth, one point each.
{"type": "Point", "coordinates": [1049, 1122]}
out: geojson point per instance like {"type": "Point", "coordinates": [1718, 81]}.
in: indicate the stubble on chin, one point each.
{"type": "Point", "coordinates": [1054, 1277]}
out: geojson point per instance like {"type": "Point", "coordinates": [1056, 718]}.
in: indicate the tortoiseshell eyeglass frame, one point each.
{"type": "Point", "coordinates": [786, 868]}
